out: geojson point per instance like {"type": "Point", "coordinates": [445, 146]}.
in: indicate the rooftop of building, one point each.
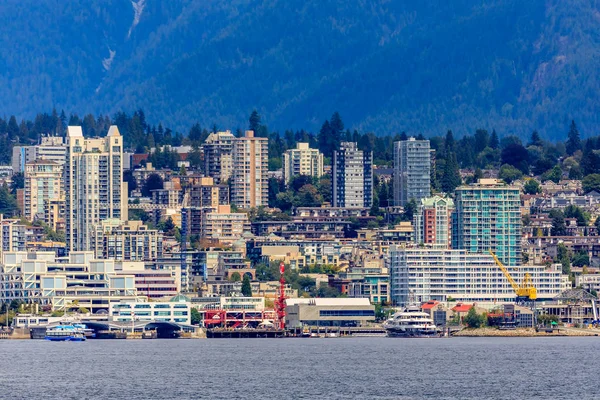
{"type": "Point", "coordinates": [462, 308]}
{"type": "Point", "coordinates": [41, 161]}
{"type": "Point", "coordinates": [327, 302]}
{"type": "Point", "coordinates": [429, 305]}
{"type": "Point", "coordinates": [431, 201]}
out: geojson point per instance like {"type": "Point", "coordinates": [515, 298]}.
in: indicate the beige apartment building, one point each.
{"type": "Point", "coordinates": [126, 241]}
{"type": "Point", "coordinates": [250, 186]}
{"type": "Point", "coordinates": [94, 187]}
{"type": "Point", "coordinates": [225, 225]}
{"type": "Point", "coordinates": [218, 156]}
{"type": "Point", "coordinates": [302, 161]}
{"type": "Point", "coordinates": [42, 184]}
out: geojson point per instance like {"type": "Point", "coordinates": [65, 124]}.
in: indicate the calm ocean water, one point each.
{"type": "Point", "coordinates": [341, 368]}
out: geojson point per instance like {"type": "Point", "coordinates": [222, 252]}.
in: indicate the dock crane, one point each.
{"type": "Point", "coordinates": [525, 291]}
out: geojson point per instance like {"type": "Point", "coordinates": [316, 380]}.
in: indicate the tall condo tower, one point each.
{"type": "Point", "coordinates": [94, 187]}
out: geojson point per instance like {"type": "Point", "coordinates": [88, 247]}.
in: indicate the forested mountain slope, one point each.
{"type": "Point", "coordinates": [386, 66]}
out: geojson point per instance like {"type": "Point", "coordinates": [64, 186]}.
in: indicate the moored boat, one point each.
{"type": "Point", "coordinates": [411, 322]}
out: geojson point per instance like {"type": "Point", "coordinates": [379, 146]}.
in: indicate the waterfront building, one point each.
{"type": "Point", "coordinates": [433, 221]}
{"type": "Point", "coordinates": [249, 181]}
{"type": "Point", "coordinates": [439, 274]}
{"type": "Point", "coordinates": [94, 187]}
{"type": "Point", "coordinates": [352, 177]}
{"type": "Point", "coordinates": [126, 241]}
{"type": "Point", "coordinates": [328, 312]}
{"type": "Point", "coordinates": [236, 311]}
{"type": "Point", "coordinates": [178, 311]}
{"type": "Point", "coordinates": [50, 148]}
{"type": "Point", "coordinates": [412, 171]}
{"type": "Point", "coordinates": [488, 217]}
{"type": "Point", "coordinates": [150, 282]}
{"type": "Point", "coordinates": [218, 156]}
{"type": "Point", "coordinates": [43, 183]}
{"type": "Point", "coordinates": [371, 282]}
{"type": "Point", "coordinates": [76, 281]}
{"type": "Point", "coordinates": [302, 161]}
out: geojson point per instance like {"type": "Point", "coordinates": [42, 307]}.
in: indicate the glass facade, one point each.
{"type": "Point", "coordinates": [489, 217]}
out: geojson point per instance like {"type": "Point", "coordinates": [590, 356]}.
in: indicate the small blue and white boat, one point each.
{"type": "Point", "coordinates": [63, 333]}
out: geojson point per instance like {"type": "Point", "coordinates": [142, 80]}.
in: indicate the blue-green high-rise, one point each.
{"type": "Point", "coordinates": [488, 216]}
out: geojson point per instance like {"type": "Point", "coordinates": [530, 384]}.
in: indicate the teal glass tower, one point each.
{"type": "Point", "coordinates": [488, 217]}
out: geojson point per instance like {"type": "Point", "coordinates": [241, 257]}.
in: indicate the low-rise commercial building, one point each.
{"type": "Point", "coordinates": [328, 312]}
{"type": "Point", "coordinates": [165, 311]}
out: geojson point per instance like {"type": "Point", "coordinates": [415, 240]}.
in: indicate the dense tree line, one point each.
{"type": "Point", "coordinates": [514, 159]}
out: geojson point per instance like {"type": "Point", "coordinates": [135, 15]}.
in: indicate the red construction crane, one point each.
{"type": "Point", "coordinates": [280, 301]}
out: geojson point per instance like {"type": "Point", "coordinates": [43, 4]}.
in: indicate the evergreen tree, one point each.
{"type": "Point", "coordinates": [451, 173]}
{"type": "Point", "coordinates": [18, 182]}
{"type": "Point", "coordinates": [153, 182]}
{"type": "Point", "coordinates": [516, 155]}
{"type": "Point", "coordinates": [590, 161]}
{"type": "Point", "coordinates": [482, 139]}
{"type": "Point", "coordinates": [409, 210]}
{"type": "Point", "coordinates": [62, 123]}
{"type": "Point", "coordinates": [8, 204]}
{"type": "Point", "coordinates": [536, 140]}
{"type": "Point", "coordinates": [324, 139]}
{"type": "Point", "coordinates": [559, 228]}
{"type": "Point", "coordinates": [573, 141]}
{"type": "Point", "coordinates": [494, 141]}
{"type": "Point", "coordinates": [13, 128]}
{"type": "Point", "coordinates": [403, 136]}
{"type": "Point", "coordinates": [24, 130]}
{"type": "Point", "coordinates": [246, 287]}
{"type": "Point", "coordinates": [451, 178]}
{"type": "Point", "coordinates": [254, 121]}
{"type": "Point", "coordinates": [449, 142]}
{"type": "Point", "coordinates": [383, 195]}
{"type": "Point", "coordinates": [337, 131]}
{"type": "Point", "coordinates": [195, 157]}
{"type": "Point", "coordinates": [195, 134]}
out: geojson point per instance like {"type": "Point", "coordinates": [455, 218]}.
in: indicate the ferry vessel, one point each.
{"type": "Point", "coordinates": [411, 322]}
{"type": "Point", "coordinates": [63, 333]}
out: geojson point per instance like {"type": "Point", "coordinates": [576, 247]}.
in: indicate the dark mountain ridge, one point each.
{"type": "Point", "coordinates": [420, 67]}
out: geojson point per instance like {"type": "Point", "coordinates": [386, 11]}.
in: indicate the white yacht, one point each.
{"type": "Point", "coordinates": [411, 322]}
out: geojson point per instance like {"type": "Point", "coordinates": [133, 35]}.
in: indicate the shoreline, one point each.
{"type": "Point", "coordinates": [524, 332]}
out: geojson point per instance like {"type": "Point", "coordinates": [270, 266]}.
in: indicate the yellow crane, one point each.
{"type": "Point", "coordinates": [525, 290]}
